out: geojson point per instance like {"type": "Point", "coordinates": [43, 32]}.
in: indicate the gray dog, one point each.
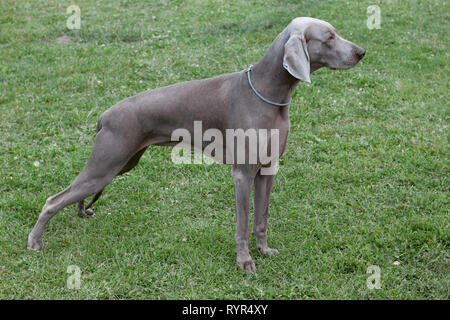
{"type": "Point", "coordinates": [257, 98]}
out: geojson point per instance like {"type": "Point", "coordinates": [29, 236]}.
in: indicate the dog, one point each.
{"type": "Point", "coordinates": [257, 98]}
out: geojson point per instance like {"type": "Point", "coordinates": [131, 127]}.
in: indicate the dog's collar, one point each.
{"type": "Point", "coordinates": [260, 95]}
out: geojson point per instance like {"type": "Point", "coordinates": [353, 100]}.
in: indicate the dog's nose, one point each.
{"type": "Point", "coordinates": [361, 53]}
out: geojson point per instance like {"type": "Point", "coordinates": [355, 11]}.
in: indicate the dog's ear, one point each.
{"type": "Point", "coordinates": [296, 58]}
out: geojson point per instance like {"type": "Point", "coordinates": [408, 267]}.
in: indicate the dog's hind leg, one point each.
{"type": "Point", "coordinates": [110, 154]}
{"type": "Point", "coordinates": [85, 211]}
{"type": "Point", "coordinates": [94, 198]}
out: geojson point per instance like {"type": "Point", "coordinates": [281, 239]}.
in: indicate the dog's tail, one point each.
{"type": "Point", "coordinates": [99, 124]}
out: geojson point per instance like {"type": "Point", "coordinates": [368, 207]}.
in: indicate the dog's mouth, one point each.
{"type": "Point", "coordinates": [344, 66]}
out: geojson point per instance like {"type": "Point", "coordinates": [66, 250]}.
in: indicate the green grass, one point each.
{"type": "Point", "coordinates": [364, 180]}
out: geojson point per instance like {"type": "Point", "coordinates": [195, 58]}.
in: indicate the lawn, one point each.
{"type": "Point", "coordinates": [364, 180]}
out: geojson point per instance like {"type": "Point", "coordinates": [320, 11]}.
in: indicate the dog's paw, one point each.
{"type": "Point", "coordinates": [267, 251]}
{"type": "Point", "coordinates": [247, 265]}
{"type": "Point", "coordinates": [34, 243]}
{"type": "Point", "coordinates": [86, 213]}
{"type": "Point", "coordinates": [89, 212]}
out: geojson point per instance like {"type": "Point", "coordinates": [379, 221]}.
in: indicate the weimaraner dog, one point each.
{"type": "Point", "coordinates": [257, 98]}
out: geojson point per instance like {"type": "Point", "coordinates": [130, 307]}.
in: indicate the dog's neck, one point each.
{"type": "Point", "coordinates": [269, 76]}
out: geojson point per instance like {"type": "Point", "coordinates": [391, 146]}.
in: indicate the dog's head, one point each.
{"type": "Point", "coordinates": [313, 44]}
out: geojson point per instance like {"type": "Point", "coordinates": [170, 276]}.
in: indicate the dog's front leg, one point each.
{"type": "Point", "coordinates": [243, 180]}
{"type": "Point", "coordinates": [263, 189]}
